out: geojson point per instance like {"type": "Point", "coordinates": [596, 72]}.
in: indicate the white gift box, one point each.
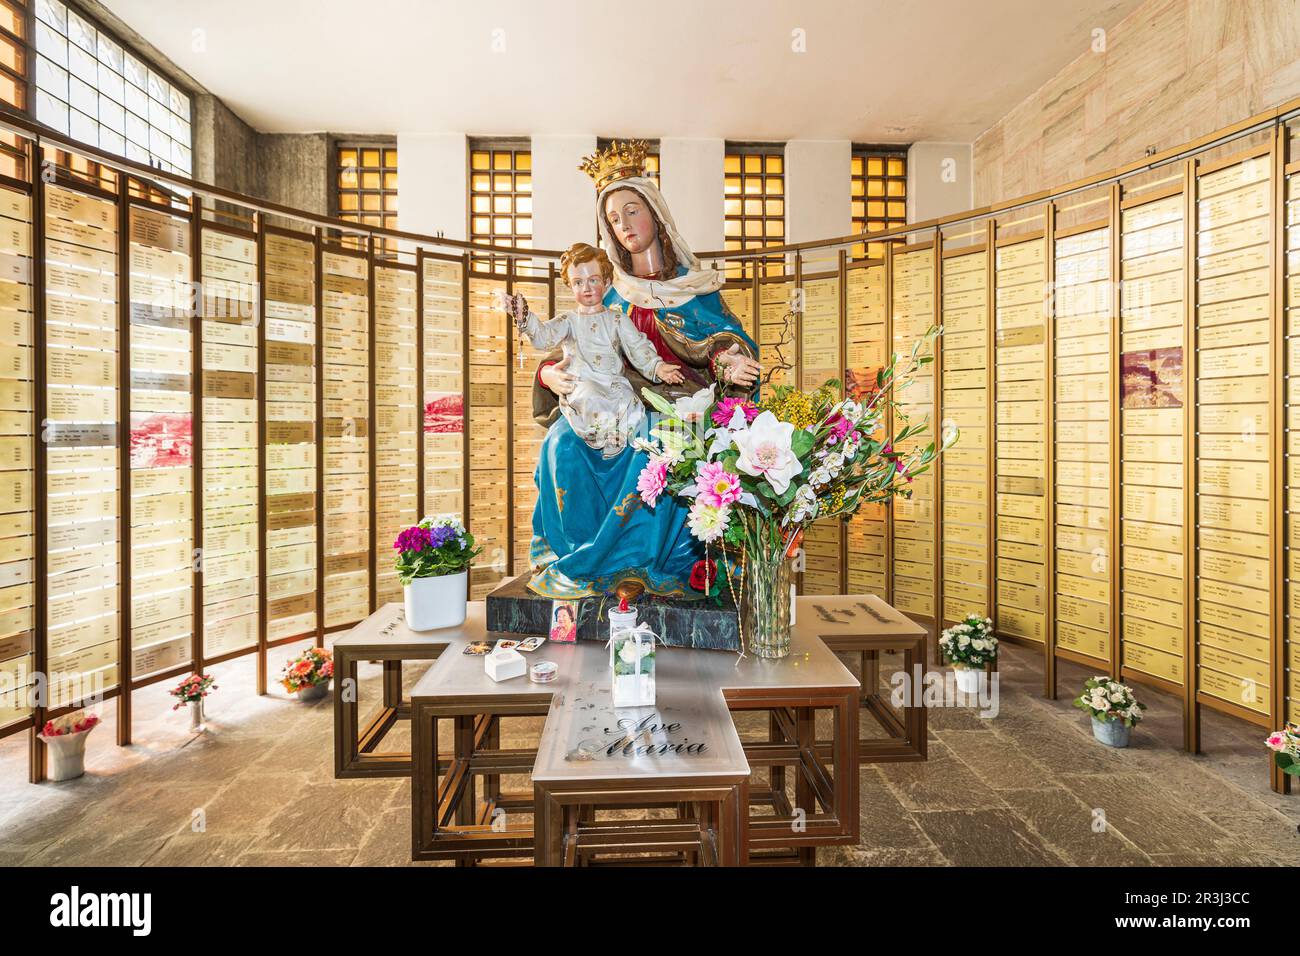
{"type": "Point", "coordinates": [504, 664]}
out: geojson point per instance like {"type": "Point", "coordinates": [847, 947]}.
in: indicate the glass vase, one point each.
{"type": "Point", "coordinates": [765, 605]}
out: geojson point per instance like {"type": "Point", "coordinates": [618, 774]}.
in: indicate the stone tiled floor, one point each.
{"type": "Point", "coordinates": [1027, 787]}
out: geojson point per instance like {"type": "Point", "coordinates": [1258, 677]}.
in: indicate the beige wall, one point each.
{"type": "Point", "coordinates": [691, 183]}
{"type": "Point", "coordinates": [1171, 71]}
{"type": "Point", "coordinates": [564, 197]}
{"type": "Point", "coordinates": [939, 180]}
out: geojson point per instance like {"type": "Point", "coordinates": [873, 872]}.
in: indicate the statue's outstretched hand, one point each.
{"type": "Point", "coordinates": [738, 368]}
{"type": "Point", "coordinates": [556, 378]}
{"type": "Point", "coordinates": [672, 374]}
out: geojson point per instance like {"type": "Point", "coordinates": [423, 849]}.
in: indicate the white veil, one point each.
{"type": "Point", "coordinates": [655, 293]}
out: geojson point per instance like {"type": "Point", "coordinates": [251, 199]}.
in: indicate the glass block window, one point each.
{"type": "Point", "coordinates": [500, 198]}
{"type": "Point", "coordinates": [754, 200]}
{"type": "Point", "coordinates": [13, 80]}
{"type": "Point", "coordinates": [365, 181]}
{"type": "Point", "coordinates": [878, 192]}
{"type": "Point", "coordinates": [13, 53]}
{"type": "Point", "coordinates": [90, 87]}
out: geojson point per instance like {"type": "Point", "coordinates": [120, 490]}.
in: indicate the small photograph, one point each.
{"type": "Point", "coordinates": [505, 645]}
{"type": "Point", "coordinates": [478, 648]}
{"type": "Point", "coordinates": [531, 644]}
{"type": "Point", "coordinates": [564, 621]}
{"type": "Point", "coordinates": [1152, 379]}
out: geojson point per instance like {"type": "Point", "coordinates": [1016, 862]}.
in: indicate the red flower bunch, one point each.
{"type": "Point", "coordinates": [71, 724]}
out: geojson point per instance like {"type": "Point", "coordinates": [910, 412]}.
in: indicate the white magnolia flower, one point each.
{"type": "Point", "coordinates": [765, 451]}
{"type": "Point", "coordinates": [694, 407]}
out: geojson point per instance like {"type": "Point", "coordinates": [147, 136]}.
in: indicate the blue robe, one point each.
{"type": "Point", "coordinates": [591, 529]}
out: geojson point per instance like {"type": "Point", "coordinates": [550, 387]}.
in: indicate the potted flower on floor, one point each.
{"type": "Point", "coordinates": [65, 738]}
{"type": "Point", "coordinates": [308, 675]}
{"type": "Point", "coordinates": [969, 646]}
{"type": "Point", "coordinates": [191, 691]}
{"type": "Point", "coordinates": [1114, 709]}
{"type": "Point", "coordinates": [433, 559]}
{"type": "Point", "coordinates": [1285, 744]}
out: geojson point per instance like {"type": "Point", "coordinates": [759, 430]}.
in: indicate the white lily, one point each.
{"type": "Point", "coordinates": [765, 451]}
{"type": "Point", "coordinates": [693, 408]}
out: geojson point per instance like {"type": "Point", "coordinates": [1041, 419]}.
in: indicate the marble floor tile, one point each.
{"type": "Point", "coordinates": [986, 838]}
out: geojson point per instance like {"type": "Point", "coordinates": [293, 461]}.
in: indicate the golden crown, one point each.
{"type": "Point", "coordinates": [616, 161]}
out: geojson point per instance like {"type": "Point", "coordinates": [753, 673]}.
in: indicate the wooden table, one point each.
{"type": "Point", "coordinates": [382, 637]}
{"type": "Point", "coordinates": [709, 789]}
{"type": "Point", "coordinates": [866, 625]}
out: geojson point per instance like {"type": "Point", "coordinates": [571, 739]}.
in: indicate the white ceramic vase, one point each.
{"type": "Point", "coordinates": [968, 678]}
{"type": "Point", "coordinates": [432, 603]}
{"type": "Point", "coordinates": [67, 754]}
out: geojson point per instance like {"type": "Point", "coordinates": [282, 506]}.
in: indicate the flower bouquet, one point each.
{"type": "Point", "coordinates": [969, 646]}
{"type": "Point", "coordinates": [308, 675]}
{"type": "Point", "coordinates": [1285, 744]}
{"type": "Point", "coordinates": [66, 739]}
{"type": "Point", "coordinates": [1114, 709]}
{"type": "Point", "coordinates": [191, 691]}
{"type": "Point", "coordinates": [758, 473]}
{"type": "Point", "coordinates": [433, 559]}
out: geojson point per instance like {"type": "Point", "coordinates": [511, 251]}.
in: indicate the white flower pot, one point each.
{"type": "Point", "coordinates": [432, 603]}
{"type": "Point", "coordinates": [67, 754]}
{"type": "Point", "coordinates": [968, 679]}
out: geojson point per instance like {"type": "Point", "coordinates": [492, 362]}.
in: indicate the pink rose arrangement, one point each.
{"type": "Point", "coordinates": [1285, 744]}
{"type": "Point", "coordinates": [195, 687]}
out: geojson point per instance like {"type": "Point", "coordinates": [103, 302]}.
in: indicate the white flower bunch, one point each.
{"type": "Point", "coordinates": [804, 507]}
{"type": "Point", "coordinates": [447, 521]}
{"type": "Point", "coordinates": [971, 642]}
{"type": "Point", "coordinates": [1107, 699]}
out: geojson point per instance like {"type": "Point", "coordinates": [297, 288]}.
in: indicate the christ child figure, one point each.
{"type": "Point", "coordinates": [602, 408]}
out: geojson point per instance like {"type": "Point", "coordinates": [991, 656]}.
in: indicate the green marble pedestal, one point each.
{"type": "Point", "coordinates": [678, 622]}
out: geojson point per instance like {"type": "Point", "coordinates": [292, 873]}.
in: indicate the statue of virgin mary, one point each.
{"type": "Point", "coordinates": [591, 531]}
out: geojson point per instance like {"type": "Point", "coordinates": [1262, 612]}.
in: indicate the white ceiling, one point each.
{"type": "Point", "coordinates": [873, 71]}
